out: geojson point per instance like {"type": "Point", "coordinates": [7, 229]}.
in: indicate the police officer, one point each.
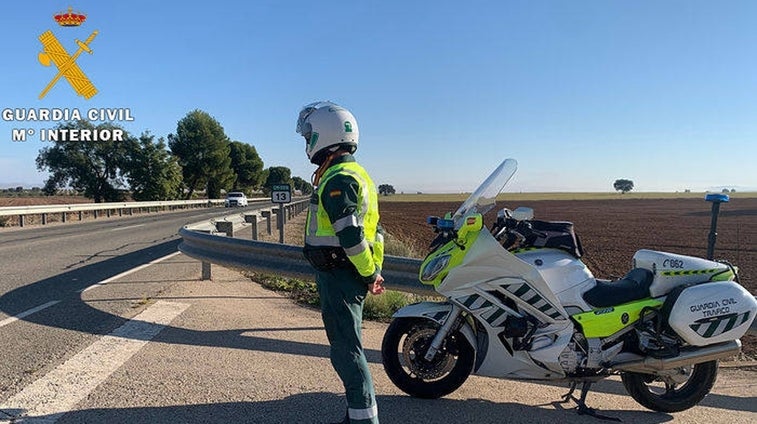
{"type": "Point", "coordinates": [344, 243]}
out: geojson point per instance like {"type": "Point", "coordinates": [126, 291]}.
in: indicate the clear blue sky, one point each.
{"type": "Point", "coordinates": [581, 93]}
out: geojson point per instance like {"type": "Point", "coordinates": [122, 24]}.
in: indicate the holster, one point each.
{"type": "Point", "coordinates": [327, 258]}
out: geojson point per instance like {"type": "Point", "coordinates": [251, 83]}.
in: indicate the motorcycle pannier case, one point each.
{"type": "Point", "coordinates": [713, 312]}
{"type": "Point", "coordinates": [671, 270]}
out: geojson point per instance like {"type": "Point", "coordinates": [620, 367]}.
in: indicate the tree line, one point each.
{"type": "Point", "coordinates": [199, 157]}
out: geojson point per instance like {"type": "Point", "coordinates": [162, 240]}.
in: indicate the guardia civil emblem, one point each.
{"type": "Point", "coordinates": [53, 52]}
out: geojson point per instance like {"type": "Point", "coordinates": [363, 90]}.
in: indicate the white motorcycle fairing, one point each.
{"type": "Point", "coordinates": [567, 277]}
{"type": "Point", "coordinates": [493, 284]}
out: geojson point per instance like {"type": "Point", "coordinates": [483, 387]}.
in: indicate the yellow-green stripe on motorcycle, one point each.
{"type": "Point", "coordinates": [604, 322]}
{"type": "Point", "coordinates": [719, 274]}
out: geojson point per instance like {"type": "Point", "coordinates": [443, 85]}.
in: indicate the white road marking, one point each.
{"type": "Point", "coordinates": [128, 227]}
{"type": "Point", "coordinates": [36, 309]}
{"type": "Point", "coordinates": [47, 399]}
{"type": "Point", "coordinates": [125, 273]}
{"type": "Point", "coordinates": [26, 313]}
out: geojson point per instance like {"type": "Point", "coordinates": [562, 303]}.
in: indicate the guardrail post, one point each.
{"type": "Point", "coordinates": [44, 219]}
{"type": "Point", "coordinates": [63, 217]}
{"type": "Point", "coordinates": [267, 216]}
{"type": "Point", "coordinates": [81, 215]}
{"type": "Point", "coordinates": [107, 213]}
{"type": "Point", "coordinates": [121, 212]}
{"type": "Point", "coordinates": [95, 214]}
{"type": "Point", "coordinates": [131, 211]}
{"type": "Point", "coordinates": [225, 227]}
{"type": "Point", "coordinates": [281, 222]}
{"type": "Point", "coordinates": [206, 271]}
{"type": "Point", "coordinates": [252, 219]}
{"type": "Point", "coordinates": [20, 220]}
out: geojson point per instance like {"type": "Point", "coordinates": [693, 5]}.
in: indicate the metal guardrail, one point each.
{"type": "Point", "coordinates": [85, 207]}
{"type": "Point", "coordinates": [285, 259]}
{"type": "Point", "coordinates": [229, 224]}
{"type": "Point", "coordinates": [204, 241]}
{"type": "Point", "coordinates": [129, 207]}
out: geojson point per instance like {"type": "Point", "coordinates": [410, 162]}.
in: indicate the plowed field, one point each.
{"type": "Point", "coordinates": [42, 200]}
{"type": "Point", "coordinates": [612, 230]}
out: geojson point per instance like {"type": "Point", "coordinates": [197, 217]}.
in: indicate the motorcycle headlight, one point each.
{"type": "Point", "coordinates": [433, 268]}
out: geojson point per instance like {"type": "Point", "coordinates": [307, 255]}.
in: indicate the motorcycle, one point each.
{"type": "Point", "coordinates": [520, 304]}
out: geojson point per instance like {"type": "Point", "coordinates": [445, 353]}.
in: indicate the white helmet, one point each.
{"type": "Point", "coordinates": [326, 126]}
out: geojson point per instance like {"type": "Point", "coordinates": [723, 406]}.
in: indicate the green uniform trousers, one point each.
{"type": "Point", "coordinates": [342, 298]}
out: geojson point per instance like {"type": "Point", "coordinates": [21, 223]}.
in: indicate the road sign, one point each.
{"type": "Point", "coordinates": [281, 193]}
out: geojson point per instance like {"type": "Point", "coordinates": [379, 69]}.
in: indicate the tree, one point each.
{"type": "Point", "coordinates": [93, 167]}
{"type": "Point", "coordinates": [152, 172]}
{"type": "Point", "coordinates": [247, 166]}
{"type": "Point", "coordinates": [203, 149]}
{"type": "Point", "coordinates": [623, 186]}
{"type": "Point", "coordinates": [277, 175]}
{"type": "Point", "coordinates": [303, 186]}
{"type": "Point", "coordinates": [386, 189]}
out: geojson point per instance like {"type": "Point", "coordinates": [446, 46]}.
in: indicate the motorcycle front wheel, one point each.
{"type": "Point", "coordinates": [675, 394]}
{"type": "Point", "coordinates": [403, 352]}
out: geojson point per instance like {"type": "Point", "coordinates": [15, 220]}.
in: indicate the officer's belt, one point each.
{"type": "Point", "coordinates": [327, 258]}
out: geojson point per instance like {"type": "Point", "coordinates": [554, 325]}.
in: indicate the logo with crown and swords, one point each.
{"type": "Point", "coordinates": [53, 52]}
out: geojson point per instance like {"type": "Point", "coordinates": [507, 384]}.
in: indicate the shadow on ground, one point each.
{"type": "Point", "coordinates": [326, 407]}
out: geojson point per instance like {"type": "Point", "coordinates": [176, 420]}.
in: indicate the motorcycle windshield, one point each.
{"type": "Point", "coordinates": [483, 199]}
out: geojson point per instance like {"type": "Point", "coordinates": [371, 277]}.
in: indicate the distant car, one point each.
{"type": "Point", "coordinates": [235, 198]}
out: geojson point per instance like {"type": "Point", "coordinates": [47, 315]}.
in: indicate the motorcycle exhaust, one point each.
{"type": "Point", "coordinates": [689, 357]}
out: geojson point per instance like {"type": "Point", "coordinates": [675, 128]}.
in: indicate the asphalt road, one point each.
{"type": "Point", "coordinates": [153, 344]}
{"type": "Point", "coordinates": [44, 269]}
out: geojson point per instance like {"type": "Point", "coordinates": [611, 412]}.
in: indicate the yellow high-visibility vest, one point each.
{"type": "Point", "coordinates": [369, 252]}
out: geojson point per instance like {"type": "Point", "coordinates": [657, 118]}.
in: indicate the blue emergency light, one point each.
{"type": "Point", "coordinates": [716, 198]}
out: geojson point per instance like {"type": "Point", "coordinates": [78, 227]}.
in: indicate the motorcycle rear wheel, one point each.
{"type": "Point", "coordinates": [664, 396]}
{"type": "Point", "coordinates": [403, 349]}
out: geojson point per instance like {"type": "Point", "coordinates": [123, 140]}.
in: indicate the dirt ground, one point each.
{"type": "Point", "coordinates": [42, 200]}
{"type": "Point", "coordinates": [612, 230]}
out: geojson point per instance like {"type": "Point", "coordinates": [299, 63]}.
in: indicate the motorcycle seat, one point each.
{"type": "Point", "coordinates": [633, 286]}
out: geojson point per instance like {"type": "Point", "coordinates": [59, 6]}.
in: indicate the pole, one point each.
{"type": "Point", "coordinates": [716, 200]}
{"type": "Point", "coordinates": [281, 223]}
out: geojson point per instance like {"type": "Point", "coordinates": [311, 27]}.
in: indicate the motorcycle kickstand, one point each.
{"type": "Point", "coordinates": [582, 408]}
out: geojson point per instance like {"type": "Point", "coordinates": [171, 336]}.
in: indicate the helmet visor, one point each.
{"type": "Point", "coordinates": [303, 128]}
{"type": "Point", "coordinates": [304, 113]}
